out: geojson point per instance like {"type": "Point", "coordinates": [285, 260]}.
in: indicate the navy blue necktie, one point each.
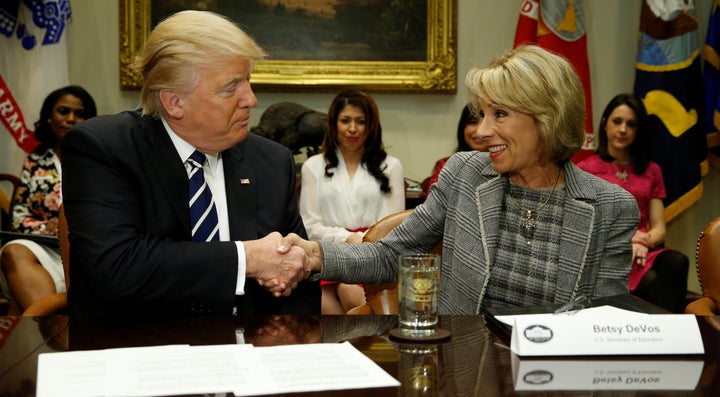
{"type": "Point", "coordinates": [203, 214]}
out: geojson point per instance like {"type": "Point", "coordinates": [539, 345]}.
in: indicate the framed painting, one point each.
{"type": "Point", "coordinates": [324, 45]}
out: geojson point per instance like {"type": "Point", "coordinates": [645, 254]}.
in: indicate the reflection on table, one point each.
{"type": "Point", "coordinates": [476, 361]}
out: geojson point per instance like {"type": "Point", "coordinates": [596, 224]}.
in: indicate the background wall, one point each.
{"type": "Point", "coordinates": [418, 129]}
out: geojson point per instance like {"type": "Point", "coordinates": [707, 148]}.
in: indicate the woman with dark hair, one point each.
{"type": "Point", "coordinates": [466, 140]}
{"type": "Point", "coordinates": [30, 270]}
{"type": "Point", "coordinates": [350, 185]}
{"type": "Point", "coordinates": [658, 275]}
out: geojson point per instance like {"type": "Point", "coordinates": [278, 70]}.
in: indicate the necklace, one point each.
{"type": "Point", "coordinates": [621, 174]}
{"type": "Point", "coordinates": [528, 223]}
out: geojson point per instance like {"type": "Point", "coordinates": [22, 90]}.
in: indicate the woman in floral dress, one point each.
{"type": "Point", "coordinates": [30, 270]}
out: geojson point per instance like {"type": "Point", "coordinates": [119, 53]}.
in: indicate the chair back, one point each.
{"type": "Point", "coordinates": [707, 260]}
{"type": "Point", "coordinates": [383, 298]}
{"type": "Point", "coordinates": [64, 241]}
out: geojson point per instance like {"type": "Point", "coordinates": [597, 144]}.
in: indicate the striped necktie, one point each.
{"type": "Point", "coordinates": [203, 214]}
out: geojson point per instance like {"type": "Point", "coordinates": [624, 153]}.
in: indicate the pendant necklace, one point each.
{"type": "Point", "coordinates": [621, 174]}
{"type": "Point", "coordinates": [528, 223]}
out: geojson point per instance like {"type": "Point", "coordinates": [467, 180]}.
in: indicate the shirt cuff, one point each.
{"type": "Point", "coordinates": [242, 266]}
{"type": "Point", "coordinates": [239, 336]}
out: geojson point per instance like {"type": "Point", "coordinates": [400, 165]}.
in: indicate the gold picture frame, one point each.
{"type": "Point", "coordinates": [436, 75]}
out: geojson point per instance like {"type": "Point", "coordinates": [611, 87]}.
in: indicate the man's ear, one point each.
{"type": "Point", "coordinates": [171, 103]}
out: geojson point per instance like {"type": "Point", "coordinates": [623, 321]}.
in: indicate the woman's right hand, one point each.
{"type": "Point", "coordinates": [51, 227]}
{"type": "Point", "coordinates": [354, 238]}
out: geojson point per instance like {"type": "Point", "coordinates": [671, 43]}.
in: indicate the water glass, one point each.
{"type": "Point", "coordinates": [418, 370]}
{"type": "Point", "coordinates": [418, 290]}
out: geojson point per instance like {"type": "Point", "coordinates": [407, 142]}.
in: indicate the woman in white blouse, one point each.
{"type": "Point", "coordinates": [349, 186]}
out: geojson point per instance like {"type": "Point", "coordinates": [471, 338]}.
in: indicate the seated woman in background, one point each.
{"type": "Point", "coordinates": [658, 275]}
{"type": "Point", "coordinates": [349, 186]}
{"type": "Point", "coordinates": [29, 270]}
{"type": "Point", "coordinates": [466, 141]}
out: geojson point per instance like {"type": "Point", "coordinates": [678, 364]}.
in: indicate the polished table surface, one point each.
{"type": "Point", "coordinates": [475, 361]}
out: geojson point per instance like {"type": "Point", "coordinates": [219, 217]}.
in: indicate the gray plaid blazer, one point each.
{"type": "Point", "coordinates": [464, 211]}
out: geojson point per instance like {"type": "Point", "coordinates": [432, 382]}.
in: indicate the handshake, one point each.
{"type": "Point", "coordinates": [279, 263]}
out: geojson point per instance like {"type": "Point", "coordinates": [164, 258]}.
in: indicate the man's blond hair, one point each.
{"type": "Point", "coordinates": [183, 44]}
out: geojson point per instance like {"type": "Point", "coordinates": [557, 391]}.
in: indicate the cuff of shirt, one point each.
{"type": "Point", "coordinates": [242, 266]}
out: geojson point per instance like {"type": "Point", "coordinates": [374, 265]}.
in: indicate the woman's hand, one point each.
{"type": "Point", "coordinates": [641, 243]}
{"type": "Point", "coordinates": [640, 252]}
{"type": "Point", "coordinates": [643, 238]}
{"type": "Point", "coordinates": [354, 238]}
{"type": "Point", "coordinates": [51, 227]}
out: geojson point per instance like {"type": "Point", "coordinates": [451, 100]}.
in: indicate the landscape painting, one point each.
{"type": "Point", "coordinates": [323, 45]}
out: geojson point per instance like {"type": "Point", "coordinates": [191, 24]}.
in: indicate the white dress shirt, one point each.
{"type": "Point", "coordinates": [330, 206]}
{"type": "Point", "coordinates": [215, 178]}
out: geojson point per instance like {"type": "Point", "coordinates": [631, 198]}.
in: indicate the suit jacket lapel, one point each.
{"type": "Point", "coordinates": [577, 226]}
{"type": "Point", "coordinates": [241, 188]}
{"type": "Point", "coordinates": [169, 170]}
{"type": "Point", "coordinates": [489, 199]}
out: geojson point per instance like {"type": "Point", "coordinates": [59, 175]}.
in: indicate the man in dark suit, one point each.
{"type": "Point", "coordinates": [126, 194]}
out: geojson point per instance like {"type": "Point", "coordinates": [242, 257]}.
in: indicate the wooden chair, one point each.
{"type": "Point", "coordinates": [383, 298]}
{"type": "Point", "coordinates": [6, 197]}
{"type": "Point", "coordinates": [55, 303]}
{"type": "Point", "coordinates": [9, 185]}
{"type": "Point", "coordinates": [707, 259]}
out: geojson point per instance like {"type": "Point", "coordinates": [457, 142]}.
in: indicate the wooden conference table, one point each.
{"type": "Point", "coordinates": [474, 362]}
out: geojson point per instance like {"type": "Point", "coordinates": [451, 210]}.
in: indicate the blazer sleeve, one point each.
{"type": "Point", "coordinates": [618, 222]}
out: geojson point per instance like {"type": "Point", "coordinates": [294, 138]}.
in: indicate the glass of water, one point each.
{"type": "Point", "coordinates": [418, 291]}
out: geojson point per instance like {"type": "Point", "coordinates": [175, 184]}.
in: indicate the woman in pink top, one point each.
{"type": "Point", "coordinates": [467, 140]}
{"type": "Point", "coordinates": [658, 275]}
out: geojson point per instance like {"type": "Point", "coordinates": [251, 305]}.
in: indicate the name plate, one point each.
{"type": "Point", "coordinates": [580, 334]}
{"type": "Point", "coordinates": [555, 374]}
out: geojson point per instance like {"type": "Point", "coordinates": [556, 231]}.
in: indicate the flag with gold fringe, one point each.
{"type": "Point", "coordinates": [668, 79]}
{"type": "Point", "coordinates": [559, 26]}
{"type": "Point", "coordinates": [711, 77]}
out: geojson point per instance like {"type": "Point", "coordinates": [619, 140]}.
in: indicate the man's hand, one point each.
{"type": "Point", "coordinates": [287, 245]}
{"type": "Point", "coordinates": [311, 248]}
{"type": "Point", "coordinates": [279, 272]}
{"type": "Point", "coordinates": [283, 330]}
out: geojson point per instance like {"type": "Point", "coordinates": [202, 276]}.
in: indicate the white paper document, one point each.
{"type": "Point", "coordinates": [181, 369]}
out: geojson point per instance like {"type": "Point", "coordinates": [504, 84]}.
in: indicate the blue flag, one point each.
{"type": "Point", "coordinates": [669, 81]}
{"type": "Point", "coordinates": [711, 54]}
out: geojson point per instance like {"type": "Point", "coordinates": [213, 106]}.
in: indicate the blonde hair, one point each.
{"type": "Point", "coordinates": [532, 80]}
{"type": "Point", "coordinates": [183, 44]}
